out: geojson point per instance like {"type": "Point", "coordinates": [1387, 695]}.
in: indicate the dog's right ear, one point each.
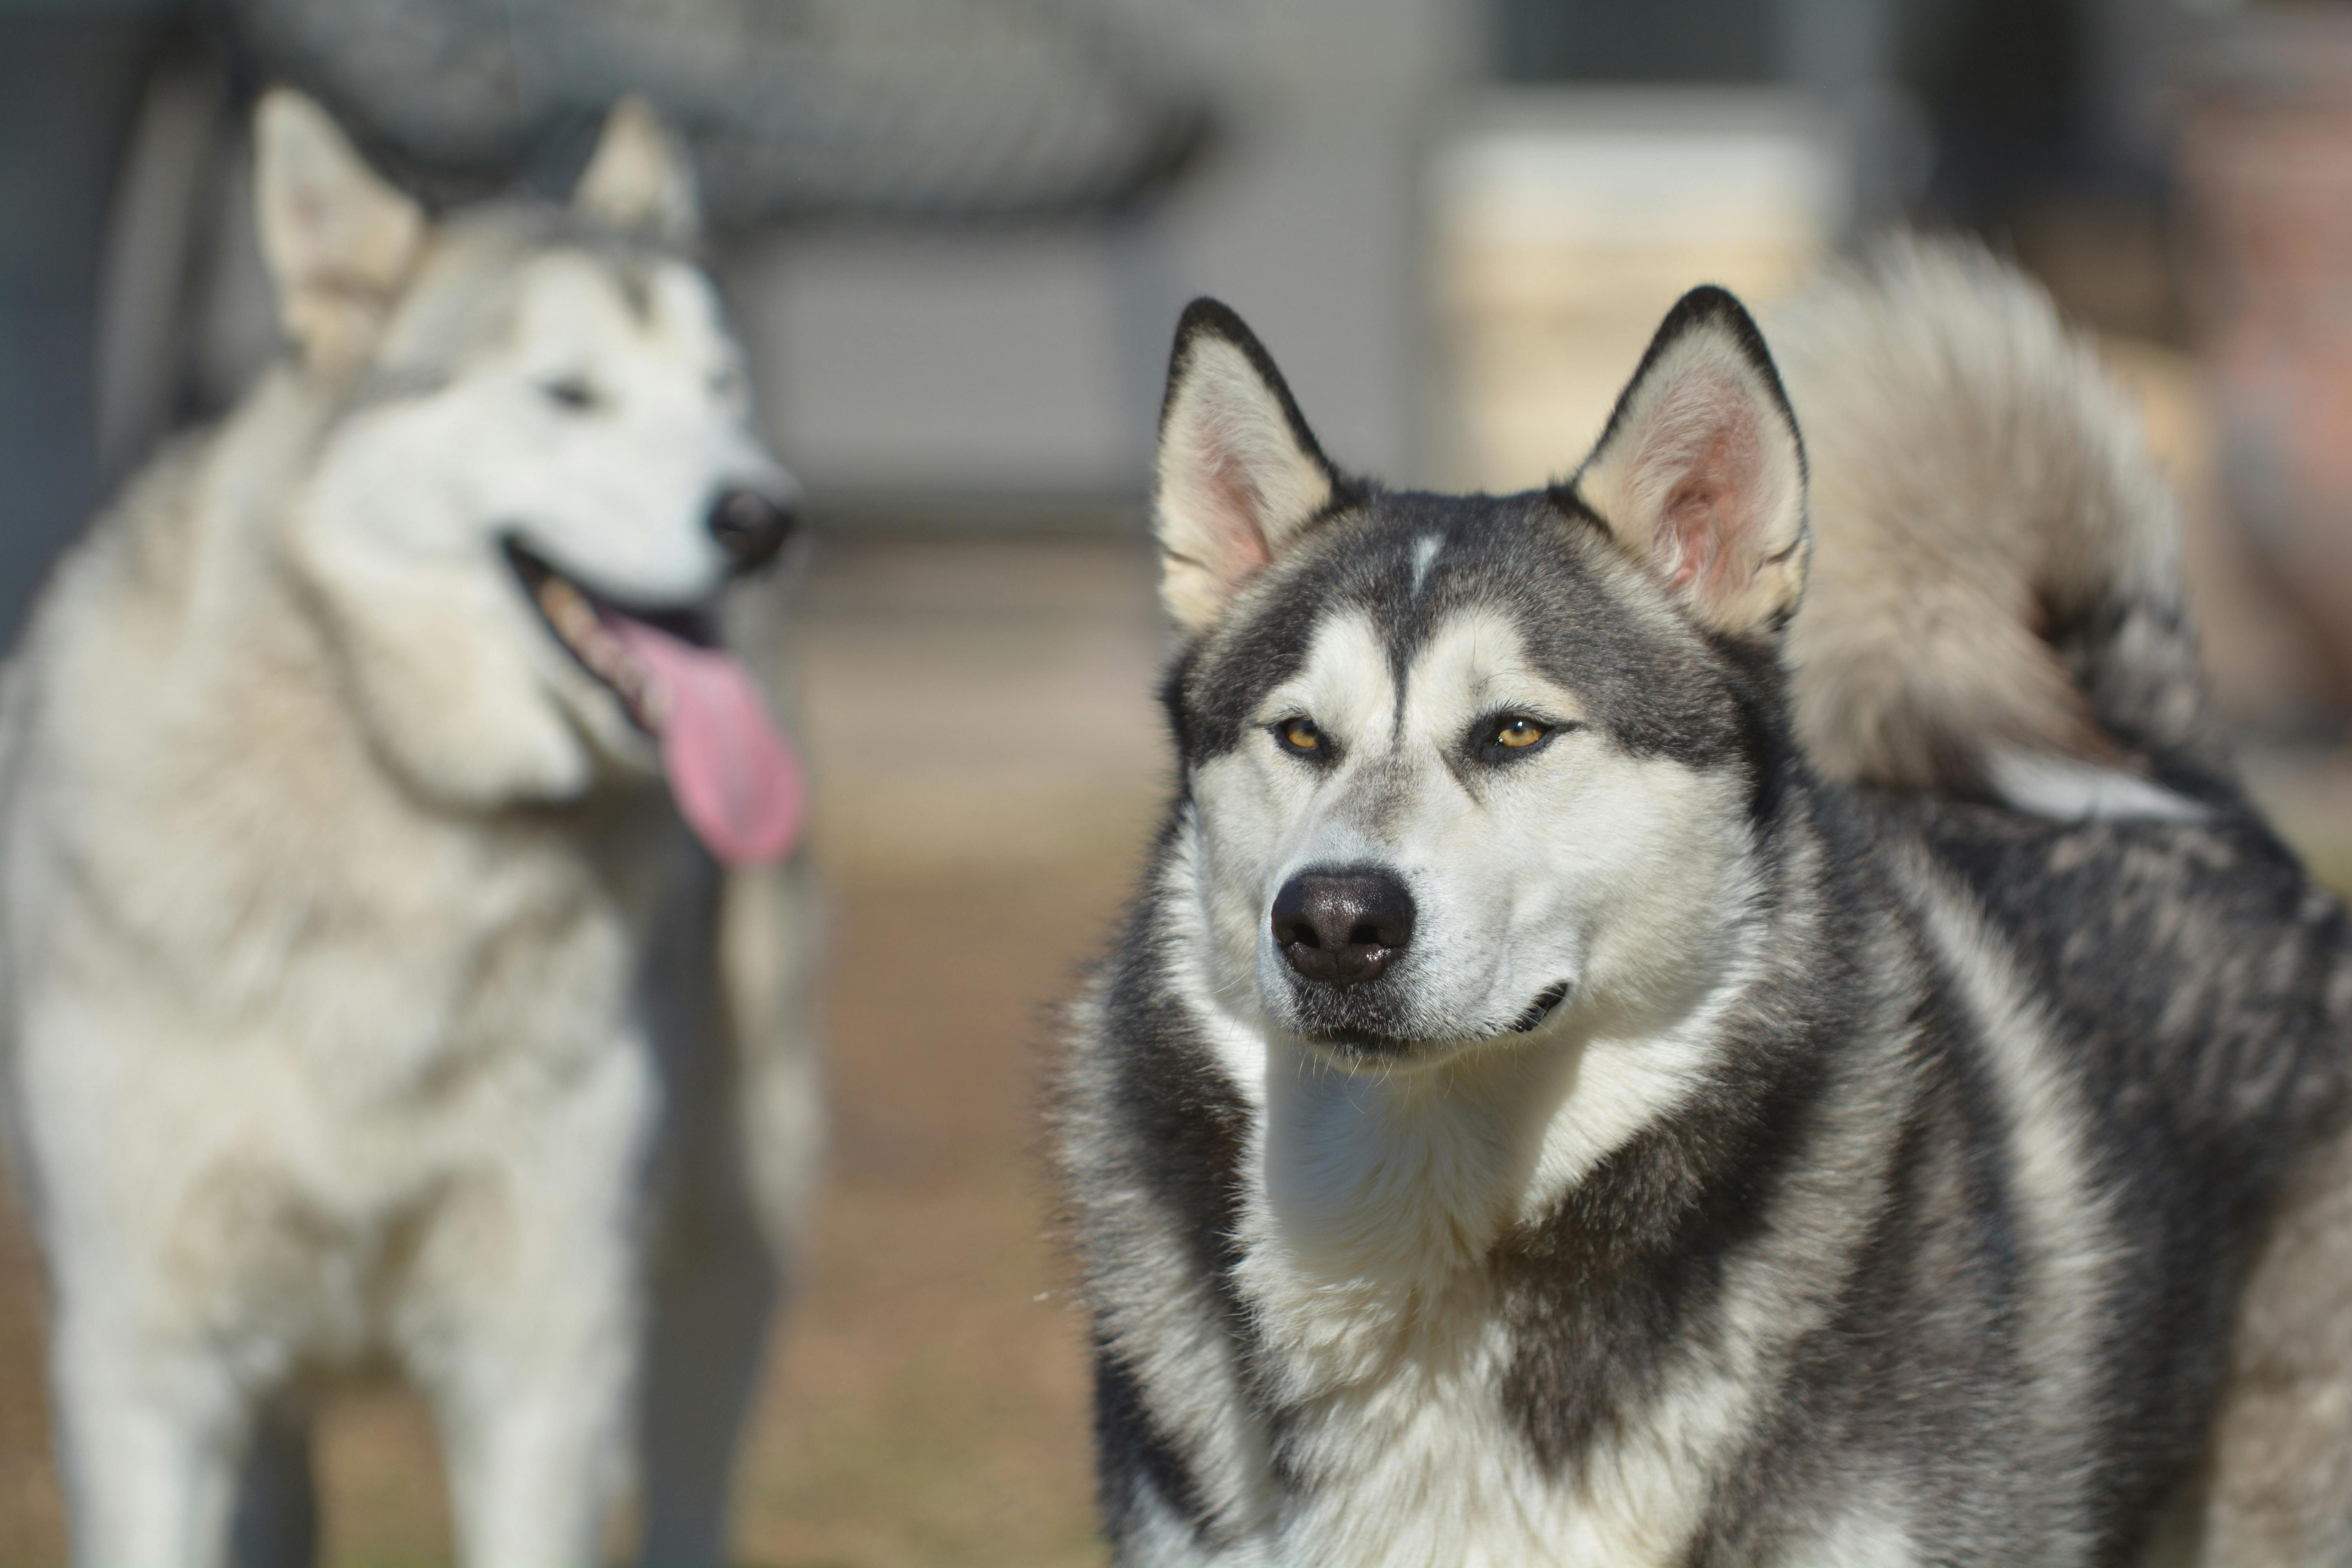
{"type": "Point", "coordinates": [1240, 474]}
{"type": "Point", "coordinates": [339, 240]}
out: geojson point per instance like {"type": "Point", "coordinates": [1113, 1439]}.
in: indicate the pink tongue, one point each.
{"type": "Point", "coordinates": [732, 771]}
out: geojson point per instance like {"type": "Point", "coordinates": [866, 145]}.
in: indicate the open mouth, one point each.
{"type": "Point", "coordinates": [599, 633]}
{"type": "Point", "coordinates": [734, 774]}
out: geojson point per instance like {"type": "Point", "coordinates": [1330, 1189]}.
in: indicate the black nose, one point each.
{"type": "Point", "coordinates": [750, 526]}
{"type": "Point", "coordinates": [1342, 927]}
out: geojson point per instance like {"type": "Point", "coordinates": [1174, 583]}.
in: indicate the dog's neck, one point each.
{"type": "Point", "coordinates": [1413, 1176]}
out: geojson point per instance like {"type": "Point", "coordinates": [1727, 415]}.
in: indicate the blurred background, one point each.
{"type": "Point", "coordinates": [956, 233]}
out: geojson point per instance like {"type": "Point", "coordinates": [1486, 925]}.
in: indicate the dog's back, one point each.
{"type": "Point", "coordinates": [1996, 612]}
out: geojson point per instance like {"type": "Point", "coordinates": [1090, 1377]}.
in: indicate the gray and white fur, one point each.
{"type": "Point", "coordinates": [1622, 1057]}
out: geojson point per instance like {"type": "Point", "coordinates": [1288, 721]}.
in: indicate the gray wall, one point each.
{"type": "Point", "coordinates": [1007, 374]}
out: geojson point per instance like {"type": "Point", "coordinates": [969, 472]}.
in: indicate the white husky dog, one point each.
{"type": "Point", "coordinates": [368, 997]}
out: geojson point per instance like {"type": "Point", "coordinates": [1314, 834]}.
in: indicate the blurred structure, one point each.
{"type": "Point", "coordinates": [967, 113]}
{"type": "Point", "coordinates": [1564, 224]}
{"type": "Point", "coordinates": [927, 108]}
{"type": "Point", "coordinates": [995, 358]}
{"type": "Point", "coordinates": [1740, 139]}
{"type": "Point", "coordinates": [960, 227]}
{"type": "Point", "coordinates": [996, 377]}
{"type": "Point", "coordinates": [71, 78]}
{"type": "Point", "coordinates": [2266, 164]}
{"type": "Point", "coordinates": [2175, 171]}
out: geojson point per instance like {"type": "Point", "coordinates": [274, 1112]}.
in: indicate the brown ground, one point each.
{"type": "Point", "coordinates": [989, 760]}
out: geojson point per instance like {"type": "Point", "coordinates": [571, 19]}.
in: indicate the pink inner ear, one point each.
{"type": "Point", "coordinates": [1713, 455]}
{"type": "Point", "coordinates": [1241, 552]}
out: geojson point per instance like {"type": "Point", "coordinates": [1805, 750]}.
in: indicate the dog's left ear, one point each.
{"type": "Point", "coordinates": [1240, 474]}
{"type": "Point", "coordinates": [1701, 474]}
{"type": "Point", "coordinates": [640, 180]}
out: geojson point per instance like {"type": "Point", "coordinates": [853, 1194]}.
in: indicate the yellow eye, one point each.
{"type": "Point", "coordinates": [1517, 733]}
{"type": "Point", "coordinates": [1301, 735]}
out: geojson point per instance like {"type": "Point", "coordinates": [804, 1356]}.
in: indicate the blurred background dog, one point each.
{"type": "Point", "coordinates": [365, 987]}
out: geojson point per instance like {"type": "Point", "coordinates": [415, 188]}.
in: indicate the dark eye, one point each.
{"type": "Point", "coordinates": [572, 394]}
{"type": "Point", "coordinates": [1300, 738]}
{"type": "Point", "coordinates": [1512, 735]}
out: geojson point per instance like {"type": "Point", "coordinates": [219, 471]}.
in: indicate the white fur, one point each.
{"type": "Point", "coordinates": [360, 980]}
{"type": "Point", "coordinates": [1866, 1537]}
{"type": "Point", "coordinates": [1573, 870]}
{"type": "Point", "coordinates": [401, 510]}
{"type": "Point", "coordinates": [2065, 789]}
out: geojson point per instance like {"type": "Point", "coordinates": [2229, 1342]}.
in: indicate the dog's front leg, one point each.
{"type": "Point", "coordinates": [522, 1322]}
{"type": "Point", "coordinates": [534, 1452]}
{"type": "Point", "coordinates": [150, 1437]}
{"type": "Point", "coordinates": [531, 1404]}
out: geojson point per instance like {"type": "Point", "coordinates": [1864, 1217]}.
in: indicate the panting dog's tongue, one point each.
{"type": "Point", "coordinates": [733, 773]}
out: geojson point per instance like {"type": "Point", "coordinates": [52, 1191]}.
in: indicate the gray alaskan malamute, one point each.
{"type": "Point", "coordinates": [368, 997]}
{"type": "Point", "coordinates": [1572, 1090]}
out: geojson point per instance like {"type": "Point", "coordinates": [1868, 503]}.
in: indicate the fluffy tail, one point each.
{"type": "Point", "coordinates": [1994, 605]}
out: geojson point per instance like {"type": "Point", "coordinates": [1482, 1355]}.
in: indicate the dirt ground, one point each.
{"type": "Point", "coordinates": [988, 759]}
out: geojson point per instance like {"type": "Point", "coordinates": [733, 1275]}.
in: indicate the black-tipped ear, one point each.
{"type": "Point", "coordinates": [1240, 474]}
{"type": "Point", "coordinates": [1701, 473]}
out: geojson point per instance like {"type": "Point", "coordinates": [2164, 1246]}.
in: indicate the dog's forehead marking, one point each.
{"type": "Point", "coordinates": [1426, 550]}
{"type": "Point", "coordinates": [572, 294]}
{"type": "Point", "coordinates": [635, 277]}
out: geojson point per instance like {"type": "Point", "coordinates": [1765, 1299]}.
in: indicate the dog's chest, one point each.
{"type": "Point", "coordinates": [1397, 1443]}
{"type": "Point", "coordinates": [1392, 1366]}
{"type": "Point", "coordinates": [393, 961]}
{"type": "Point", "coordinates": [526, 974]}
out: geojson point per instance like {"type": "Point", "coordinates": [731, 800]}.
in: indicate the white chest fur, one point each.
{"type": "Point", "coordinates": [1371, 1210]}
